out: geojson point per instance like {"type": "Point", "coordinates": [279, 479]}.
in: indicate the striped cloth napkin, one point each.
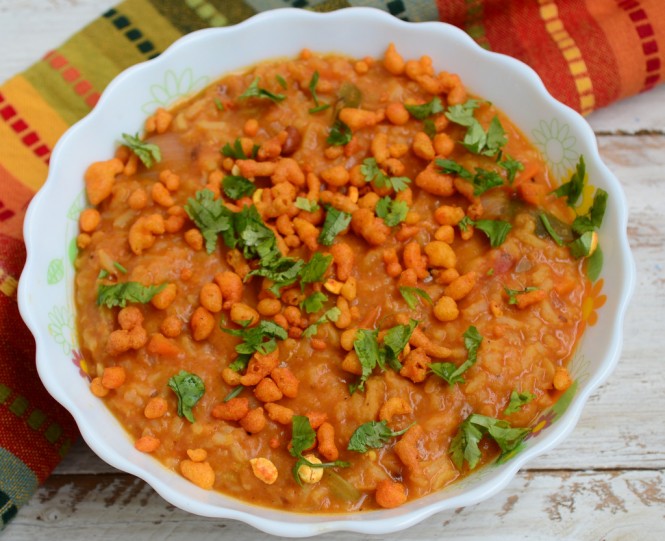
{"type": "Point", "coordinates": [588, 53]}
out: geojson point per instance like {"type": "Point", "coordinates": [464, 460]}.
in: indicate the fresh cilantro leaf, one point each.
{"type": "Point", "coordinates": [255, 91]}
{"type": "Point", "coordinates": [121, 294]}
{"type": "Point", "coordinates": [314, 302]}
{"type": "Point", "coordinates": [234, 392]}
{"type": "Point", "coordinates": [583, 245]}
{"type": "Point", "coordinates": [302, 439]}
{"type": "Point", "coordinates": [395, 340]}
{"type": "Point", "coordinates": [496, 137]}
{"type": "Point", "coordinates": [312, 89]}
{"type": "Point", "coordinates": [517, 400]}
{"type": "Point", "coordinates": [283, 272]}
{"type": "Point", "coordinates": [464, 446]}
{"type": "Point", "coordinates": [302, 435]}
{"type": "Point", "coordinates": [315, 268]}
{"type": "Point", "coordinates": [218, 104]}
{"type": "Point", "coordinates": [340, 134]}
{"type": "Point", "coordinates": [254, 338]}
{"type": "Point", "coordinates": [366, 346]}
{"type": "Point", "coordinates": [329, 315]}
{"type": "Point", "coordinates": [240, 362]}
{"type": "Point", "coordinates": [336, 221]}
{"type": "Point", "coordinates": [573, 188]}
{"type": "Point", "coordinates": [281, 81]}
{"type": "Point", "coordinates": [512, 293]}
{"type": "Point", "coordinates": [103, 273]}
{"type": "Point", "coordinates": [462, 114]}
{"type": "Point", "coordinates": [511, 166]}
{"type": "Point", "coordinates": [253, 236]}
{"type": "Point", "coordinates": [210, 216]}
{"type": "Point", "coordinates": [237, 152]}
{"type": "Point", "coordinates": [372, 173]}
{"type": "Point", "coordinates": [594, 218]}
{"type": "Point", "coordinates": [548, 227]}
{"type": "Point", "coordinates": [425, 110]}
{"type": "Point", "coordinates": [306, 204]}
{"type": "Point", "coordinates": [429, 128]}
{"type": "Point", "coordinates": [372, 435]}
{"type": "Point", "coordinates": [464, 223]}
{"type": "Point", "coordinates": [189, 388]}
{"type": "Point", "coordinates": [237, 187]}
{"type": "Point", "coordinates": [392, 212]}
{"type": "Point", "coordinates": [485, 180]}
{"type": "Point", "coordinates": [148, 153]}
{"type": "Point", "coordinates": [409, 294]}
{"type": "Point", "coordinates": [450, 166]}
{"type": "Point", "coordinates": [121, 268]}
{"type": "Point", "coordinates": [496, 230]}
{"type": "Point", "coordinates": [453, 374]}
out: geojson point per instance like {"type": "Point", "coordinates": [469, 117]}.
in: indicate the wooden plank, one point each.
{"type": "Point", "coordinates": [545, 505]}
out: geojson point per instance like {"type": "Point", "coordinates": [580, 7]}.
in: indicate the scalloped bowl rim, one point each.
{"type": "Point", "coordinates": [177, 491]}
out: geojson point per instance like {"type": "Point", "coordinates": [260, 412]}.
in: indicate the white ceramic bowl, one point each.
{"type": "Point", "coordinates": [46, 286]}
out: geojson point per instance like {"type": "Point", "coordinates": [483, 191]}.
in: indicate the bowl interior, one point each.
{"type": "Point", "coordinates": [46, 288]}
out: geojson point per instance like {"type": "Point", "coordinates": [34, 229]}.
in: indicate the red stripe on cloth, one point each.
{"type": "Point", "coordinates": [72, 76]}
{"type": "Point", "coordinates": [29, 140]}
{"type": "Point", "coordinates": [649, 46]}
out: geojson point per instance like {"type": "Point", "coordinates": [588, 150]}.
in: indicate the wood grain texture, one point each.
{"type": "Point", "coordinates": [606, 481]}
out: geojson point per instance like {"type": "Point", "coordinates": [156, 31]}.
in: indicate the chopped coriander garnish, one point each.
{"type": "Point", "coordinates": [372, 435]}
{"type": "Point", "coordinates": [121, 294]}
{"type": "Point", "coordinates": [496, 230]}
{"type": "Point", "coordinates": [255, 91]}
{"type": "Point", "coordinates": [312, 89]}
{"type": "Point", "coordinates": [236, 187]}
{"type": "Point", "coordinates": [512, 293]}
{"type": "Point", "coordinates": [314, 302]}
{"type": "Point", "coordinates": [548, 227]}
{"type": "Point", "coordinates": [302, 439]}
{"type": "Point", "coordinates": [372, 173]}
{"type": "Point", "coordinates": [425, 110]}
{"type": "Point", "coordinates": [306, 204]}
{"type": "Point", "coordinates": [392, 212]}
{"type": "Point", "coordinates": [340, 134]}
{"type": "Point", "coordinates": [410, 293]}
{"type": "Point", "coordinates": [240, 362]}
{"type": "Point", "coordinates": [234, 392]}
{"type": "Point", "coordinates": [511, 166]}
{"type": "Point", "coordinates": [594, 218]}
{"type": "Point", "coordinates": [236, 151]}
{"type": "Point", "coordinates": [315, 268]}
{"type": "Point", "coordinates": [281, 81]}
{"type": "Point", "coordinates": [573, 188]}
{"type": "Point", "coordinates": [517, 401]}
{"type": "Point", "coordinates": [464, 223]}
{"type": "Point", "coordinates": [336, 221]}
{"type": "Point", "coordinates": [120, 267]}
{"type": "Point", "coordinates": [219, 104]}
{"type": "Point", "coordinates": [462, 113]}
{"type": "Point", "coordinates": [464, 446]}
{"type": "Point", "coordinates": [210, 215]}
{"type": "Point", "coordinates": [148, 153]}
{"type": "Point", "coordinates": [583, 246]}
{"type": "Point", "coordinates": [482, 179]}
{"type": "Point", "coordinates": [329, 315]}
{"type": "Point", "coordinates": [262, 338]}
{"type": "Point", "coordinates": [477, 140]}
{"type": "Point", "coordinates": [189, 388]}
{"type": "Point", "coordinates": [429, 128]}
{"type": "Point", "coordinates": [395, 340]}
{"type": "Point", "coordinates": [453, 374]}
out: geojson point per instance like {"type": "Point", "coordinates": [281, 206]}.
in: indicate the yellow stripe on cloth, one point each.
{"type": "Point", "coordinates": [40, 126]}
{"type": "Point", "coordinates": [549, 13]}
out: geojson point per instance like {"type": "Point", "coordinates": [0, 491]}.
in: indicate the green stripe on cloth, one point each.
{"type": "Point", "coordinates": [154, 27]}
{"type": "Point", "coordinates": [235, 11]}
{"type": "Point", "coordinates": [183, 18]}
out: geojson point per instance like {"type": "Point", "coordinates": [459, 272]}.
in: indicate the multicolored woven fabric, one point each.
{"type": "Point", "coordinates": [589, 53]}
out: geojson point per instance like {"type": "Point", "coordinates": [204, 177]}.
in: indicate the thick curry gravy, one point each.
{"type": "Point", "coordinates": [522, 296]}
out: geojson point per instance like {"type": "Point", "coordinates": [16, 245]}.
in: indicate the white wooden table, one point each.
{"type": "Point", "coordinates": [605, 482]}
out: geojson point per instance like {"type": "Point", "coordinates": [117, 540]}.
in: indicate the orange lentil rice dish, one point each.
{"type": "Point", "coordinates": [326, 284]}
